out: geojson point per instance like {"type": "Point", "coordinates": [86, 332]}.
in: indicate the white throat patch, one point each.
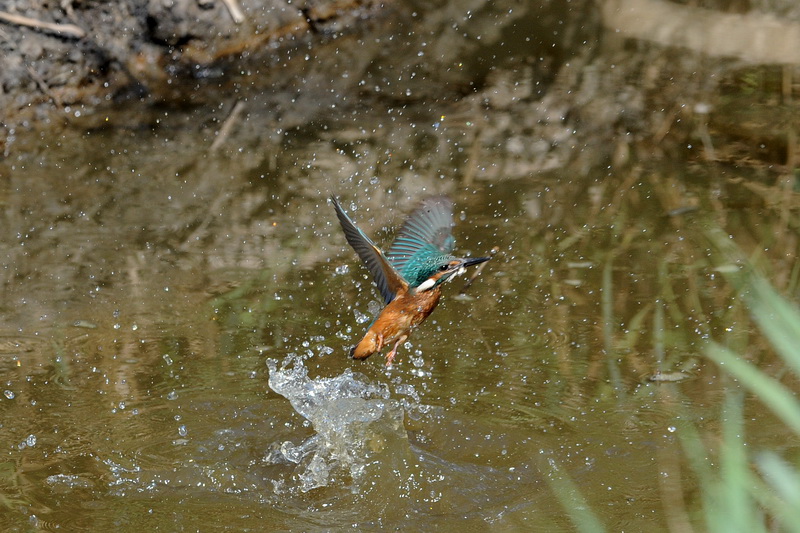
{"type": "Point", "coordinates": [427, 284]}
{"type": "Point", "coordinates": [430, 282]}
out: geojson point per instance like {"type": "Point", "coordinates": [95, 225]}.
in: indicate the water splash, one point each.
{"type": "Point", "coordinates": [358, 428]}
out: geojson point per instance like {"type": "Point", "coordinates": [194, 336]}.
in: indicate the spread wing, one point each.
{"type": "Point", "coordinates": [428, 231]}
{"type": "Point", "coordinates": [386, 277]}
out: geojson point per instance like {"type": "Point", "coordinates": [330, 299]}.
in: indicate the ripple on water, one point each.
{"type": "Point", "coordinates": [362, 462]}
{"type": "Point", "coordinates": [330, 452]}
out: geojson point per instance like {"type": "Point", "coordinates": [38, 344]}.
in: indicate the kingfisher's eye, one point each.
{"type": "Point", "coordinates": [444, 267]}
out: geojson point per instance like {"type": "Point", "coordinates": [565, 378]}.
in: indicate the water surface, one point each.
{"type": "Point", "coordinates": [175, 318]}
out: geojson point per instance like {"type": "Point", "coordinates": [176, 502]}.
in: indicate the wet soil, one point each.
{"type": "Point", "coordinates": [59, 55]}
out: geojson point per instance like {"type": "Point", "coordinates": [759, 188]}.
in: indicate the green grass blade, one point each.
{"type": "Point", "coordinates": [738, 511]}
{"type": "Point", "coordinates": [576, 506]}
{"type": "Point", "coordinates": [771, 392]}
{"type": "Point", "coordinates": [778, 319]}
{"type": "Point", "coordinates": [779, 491]}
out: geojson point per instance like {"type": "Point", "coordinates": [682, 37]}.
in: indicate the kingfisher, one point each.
{"type": "Point", "coordinates": [409, 276]}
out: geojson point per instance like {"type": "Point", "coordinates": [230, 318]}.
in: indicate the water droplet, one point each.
{"type": "Point", "coordinates": [360, 317]}
{"type": "Point", "coordinates": [342, 269]}
{"type": "Point", "coordinates": [167, 359]}
{"type": "Point", "coordinates": [9, 394]}
{"type": "Point", "coordinates": [182, 431]}
{"type": "Point", "coordinates": [172, 396]}
{"type": "Point", "coordinates": [31, 440]}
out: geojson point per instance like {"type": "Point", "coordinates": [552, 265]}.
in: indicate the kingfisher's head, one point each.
{"type": "Point", "coordinates": [432, 271]}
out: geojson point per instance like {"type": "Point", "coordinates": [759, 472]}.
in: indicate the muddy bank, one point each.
{"type": "Point", "coordinates": [295, 59]}
{"type": "Point", "coordinates": [59, 55]}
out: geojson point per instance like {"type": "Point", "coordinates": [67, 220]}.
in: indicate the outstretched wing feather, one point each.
{"type": "Point", "coordinates": [386, 277]}
{"type": "Point", "coordinates": [429, 229]}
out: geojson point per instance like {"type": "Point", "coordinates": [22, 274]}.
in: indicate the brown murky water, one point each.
{"type": "Point", "coordinates": [174, 317]}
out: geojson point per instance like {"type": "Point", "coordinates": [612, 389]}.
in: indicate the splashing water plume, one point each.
{"type": "Point", "coordinates": [358, 428]}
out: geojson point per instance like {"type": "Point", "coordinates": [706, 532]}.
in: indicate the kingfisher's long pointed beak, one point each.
{"type": "Point", "coordinates": [470, 261]}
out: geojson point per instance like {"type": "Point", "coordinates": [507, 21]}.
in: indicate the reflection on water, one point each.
{"type": "Point", "coordinates": [175, 320]}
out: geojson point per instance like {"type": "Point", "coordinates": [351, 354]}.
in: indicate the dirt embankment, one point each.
{"type": "Point", "coordinates": [55, 55]}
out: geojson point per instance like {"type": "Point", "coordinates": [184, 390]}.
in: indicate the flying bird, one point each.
{"type": "Point", "coordinates": [409, 276]}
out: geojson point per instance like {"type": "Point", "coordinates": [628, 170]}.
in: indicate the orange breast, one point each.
{"type": "Point", "coordinates": [397, 320]}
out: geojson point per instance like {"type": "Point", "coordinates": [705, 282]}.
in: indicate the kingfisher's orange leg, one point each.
{"type": "Point", "coordinates": [390, 355]}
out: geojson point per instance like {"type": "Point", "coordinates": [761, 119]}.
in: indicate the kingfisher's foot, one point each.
{"type": "Point", "coordinates": [390, 355]}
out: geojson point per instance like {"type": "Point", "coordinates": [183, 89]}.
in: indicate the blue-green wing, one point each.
{"type": "Point", "coordinates": [386, 277]}
{"type": "Point", "coordinates": [428, 231]}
